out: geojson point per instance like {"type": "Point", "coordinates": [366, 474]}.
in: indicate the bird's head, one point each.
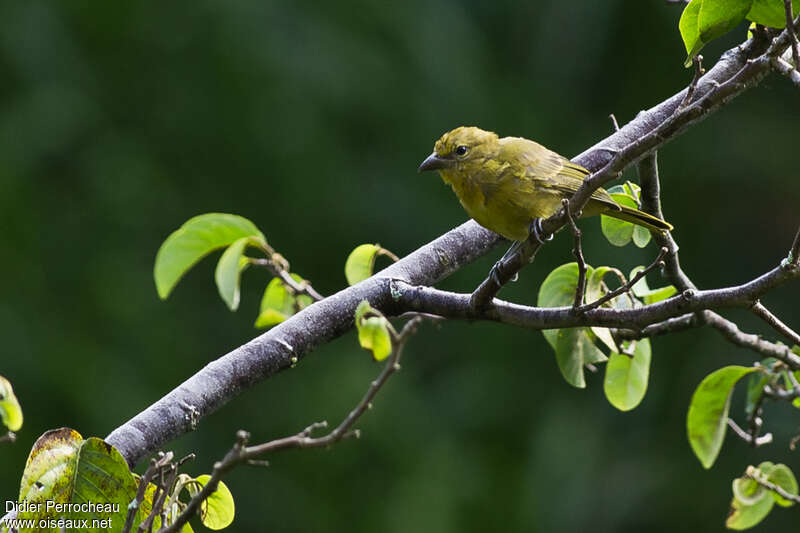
{"type": "Point", "coordinates": [460, 147]}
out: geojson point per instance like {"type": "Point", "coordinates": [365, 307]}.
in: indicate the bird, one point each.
{"type": "Point", "coordinates": [509, 184]}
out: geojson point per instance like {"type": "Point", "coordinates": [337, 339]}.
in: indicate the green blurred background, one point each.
{"type": "Point", "coordinates": [120, 121]}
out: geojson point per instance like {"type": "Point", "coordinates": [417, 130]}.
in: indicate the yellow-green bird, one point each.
{"type": "Point", "coordinates": [507, 184]}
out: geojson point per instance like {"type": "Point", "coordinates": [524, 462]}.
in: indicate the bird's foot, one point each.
{"type": "Point", "coordinates": [536, 230]}
{"type": "Point", "coordinates": [494, 273]}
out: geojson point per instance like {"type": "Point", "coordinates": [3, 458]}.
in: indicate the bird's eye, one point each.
{"type": "Point", "coordinates": [461, 150]}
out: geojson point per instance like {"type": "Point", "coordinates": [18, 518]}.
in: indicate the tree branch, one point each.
{"type": "Point", "coordinates": [280, 347]}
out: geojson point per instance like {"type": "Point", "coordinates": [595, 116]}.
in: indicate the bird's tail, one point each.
{"type": "Point", "coordinates": [640, 218]}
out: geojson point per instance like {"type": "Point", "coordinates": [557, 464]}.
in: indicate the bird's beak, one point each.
{"type": "Point", "coordinates": [433, 162]}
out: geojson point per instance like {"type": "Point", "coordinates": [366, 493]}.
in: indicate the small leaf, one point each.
{"type": "Point", "coordinates": [198, 237]}
{"type": "Point", "coordinates": [748, 491]}
{"type": "Point", "coordinates": [744, 516]}
{"type": "Point", "coordinates": [228, 273]}
{"type": "Point", "coordinates": [64, 468]}
{"type": "Point", "coordinates": [755, 390]}
{"type": "Point", "coordinates": [10, 410]}
{"type": "Point", "coordinates": [373, 334]}
{"type": "Point", "coordinates": [704, 20]}
{"type": "Point", "coordinates": [641, 236]}
{"type": "Point", "coordinates": [594, 291]}
{"type": "Point", "coordinates": [278, 303]}
{"type": "Point", "coordinates": [361, 262]}
{"type": "Point", "coordinates": [689, 30]}
{"type": "Point", "coordinates": [218, 510]}
{"type": "Point", "coordinates": [648, 295]}
{"type": "Point", "coordinates": [782, 476]}
{"type": "Point", "coordinates": [769, 13]}
{"type": "Point", "coordinates": [618, 232]}
{"type": "Point", "coordinates": [626, 377]}
{"type": "Point", "coordinates": [573, 346]}
{"type": "Point", "coordinates": [708, 412]}
{"type": "Point", "coordinates": [362, 309]}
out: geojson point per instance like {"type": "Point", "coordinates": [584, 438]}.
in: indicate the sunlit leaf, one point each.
{"type": "Point", "coordinates": [782, 476]}
{"type": "Point", "coordinates": [278, 303]}
{"type": "Point", "coordinates": [198, 237]}
{"type": "Point", "coordinates": [626, 377]}
{"type": "Point", "coordinates": [708, 412]}
{"type": "Point", "coordinates": [228, 273]}
{"type": "Point", "coordinates": [10, 410]}
{"type": "Point", "coordinates": [770, 13]}
{"type": "Point", "coordinates": [618, 232]}
{"type": "Point", "coordinates": [746, 515]}
{"type": "Point", "coordinates": [373, 335]}
{"type": "Point", "coordinates": [360, 263]}
{"type": "Point", "coordinates": [573, 346]}
{"type": "Point", "coordinates": [218, 511]}
{"type": "Point", "coordinates": [64, 468]}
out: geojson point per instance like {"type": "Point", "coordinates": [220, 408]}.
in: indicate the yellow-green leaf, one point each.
{"type": "Point", "coordinates": [10, 410]}
{"type": "Point", "coordinates": [360, 263]}
{"type": "Point", "coordinates": [64, 468]}
{"type": "Point", "coordinates": [373, 334]}
{"type": "Point", "coordinates": [769, 13]}
{"type": "Point", "coordinates": [218, 511]}
{"type": "Point", "coordinates": [626, 377]}
{"type": "Point", "coordinates": [707, 419]}
{"type": "Point", "coordinates": [228, 273]}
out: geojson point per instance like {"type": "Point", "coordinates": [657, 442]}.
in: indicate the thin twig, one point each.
{"type": "Point", "coordinates": [794, 252]}
{"type": "Point", "coordinates": [614, 121]}
{"type": "Point", "coordinates": [766, 315]}
{"type": "Point", "coordinates": [627, 286]}
{"type": "Point", "coordinates": [577, 251]}
{"type": "Point", "coordinates": [243, 454]}
{"type": "Point", "coordinates": [784, 67]}
{"type": "Point", "coordinates": [8, 437]}
{"type": "Point", "coordinates": [787, 7]}
{"type": "Point", "coordinates": [742, 434]}
{"type": "Point", "coordinates": [756, 475]}
{"type": "Point", "coordinates": [278, 270]}
{"type": "Point", "coordinates": [698, 73]}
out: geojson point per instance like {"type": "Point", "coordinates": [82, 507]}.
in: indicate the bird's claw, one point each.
{"type": "Point", "coordinates": [538, 233]}
{"type": "Point", "coordinates": [494, 273]}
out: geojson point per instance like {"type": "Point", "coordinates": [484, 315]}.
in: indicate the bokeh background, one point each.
{"type": "Point", "coordinates": [119, 121]}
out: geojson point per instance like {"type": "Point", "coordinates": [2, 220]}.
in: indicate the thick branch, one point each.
{"type": "Point", "coordinates": [222, 379]}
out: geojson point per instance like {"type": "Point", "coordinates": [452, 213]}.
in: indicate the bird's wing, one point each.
{"type": "Point", "coordinates": [541, 167]}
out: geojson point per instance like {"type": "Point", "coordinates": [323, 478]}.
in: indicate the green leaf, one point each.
{"type": "Point", "coordinates": [594, 291]}
{"type": "Point", "coordinates": [704, 20]}
{"type": "Point", "coordinates": [618, 232]}
{"type": "Point", "coordinates": [10, 410]}
{"type": "Point", "coordinates": [769, 13]}
{"type": "Point", "coordinates": [373, 334]}
{"type": "Point", "coordinates": [718, 17]}
{"type": "Point", "coordinates": [626, 377]}
{"type": "Point", "coordinates": [745, 515]}
{"type": "Point", "coordinates": [228, 272]}
{"type": "Point", "coordinates": [648, 295]}
{"type": "Point", "coordinates": [573, 346]}
{"type": "Point", "coordinates": [362, 309]}
{"type": "Point", "coordinates": [218, 510]}
{"type": "Point", "coordinates": [361, 262]}
{"type": "Point", "coordinates": [641, 236]}
{"type": "Point", "coordinates": [198, 237]}
{"type": "Point", "coordinates": [278, 303]}
{"type": "Point", "coordinates": [782, 476]}
{"type": "Point", "coordinates": [64, 468]}
{"type": "Point", "coordinates": [748, 491]}
{"type": "Point", "coordinates": [755, 389]}
{"type": "Point", "coordinates": [708, 412]}
{"type": "Point", "coordinates": [689, 30]}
